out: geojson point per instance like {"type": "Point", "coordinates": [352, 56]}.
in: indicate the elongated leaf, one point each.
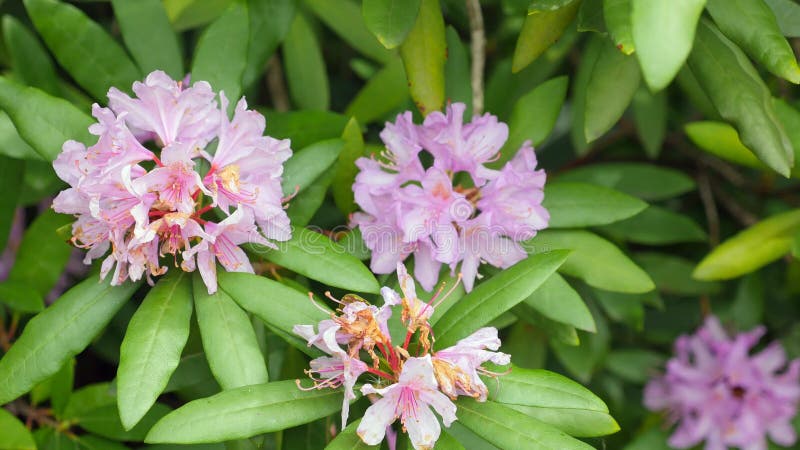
{"type": "Point", "coordinates": [43, 121]}
{"type": "Point", "coordinates": [151, 349]}
{"type": "Point", "coordinates": [221, 54]}
{"type": "Point", "coordinates": [384, 92]}
{"type": "Point", "coordinates": [305, 205]}
{"type": "Point", "coordinates": [590, 17]}
{"type": "Point", "coordinates": [594, 260]}
{"type": "Point", "coordinates": [346, 169]}
{"type": "Point", "coordinates": [721, 68]}
{"type": "Point", "coordinates": [229, 341]}
{"type": "Point", "coordinates": [617, 14]}
{"type": "Point", "coordinates": [541, 29]}
{"type": "Point", "coordinates": [556, 300]}
{"type": "Point", "coordinates": [192, 370]}
{"type": "Point", "coordinates": [269, 23]}
{"type": "Point", "coordinates": [554, 330]}
{"type": "Point", "coordinates": [646, 181]}
{"type": "Point", "coordinates": [496, 296]}
{"type": "Point", "coordinates": [573, 204]}
{"type": "Point", "coordinates": [634, 365]}
{"type": "Point", "coordinates": [722, 140]}
{"type": "Point", "coordinates": [104, 421]}
{"type": "Point", "coordinates": [508, 428]}
{"type": "Point", "coordinates": [305, 166]}
{"type": "Point", "coordinates": [751, 249]}
{"type": "Point", "coordinates": [31, 62]}
{"type": "Point", "coordinates": [663, 34]}
{"type": "Point", "coordinates": [457, 82]}
{"type": "Point", "coordinates": [650, 116]}
{"type": "Point", "coordinates": [390, 20]}
{"type": "Point", "coordinates": [345, 18]}
{"type": "Point", "coordinates": [653, 439]}
{"type": "Point", "coordinates": [15, 435]}
{"type": "Point", "coordinates": [535, 115]}
{"type": "Point", "coordinates": [787, 12]}
{"type": "Point", "coordinates": [244, 412]}
{"type": "Point", "coordinates": [579, 93]}
{"type": "Point", "coordinates": [11, 173]}
{"type": "Point", "coordinates": [347, 439]}
{"type": "Point", "coordinates": [305, 67]}
{"type": "Point", "coordinates": [612, 83]}
{"type": "Point", "coordinates": [149, 36]}
{"type": "Point", "coordinates": [61, 387]}
{"type": "Point", "coordinates": [82, 47]}
{"type": "Point", "coordinates": [657, 226]}
{"type": "Point", "coordinates": [12, 145]}
{"type": "Point", "coordinates": [424, 53]}
{"type": "Point", "coordinates": [186, 14]}
{"type": "Point", "coordinates": [739, 20]}
{"type": "Point", "coordinates": [59, 333]}
{"type": "Point", "coordinates": [305, 127]}
{"type": "Point", "coordinates": [624, 308]}
{"type": "Point", "coordinates": [582, 360]}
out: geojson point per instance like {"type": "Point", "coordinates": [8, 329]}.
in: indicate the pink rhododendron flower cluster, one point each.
{"type": "Point", "coordinates": [718, 393]}
{"type": "Point", "coordinates": [408, 379]}
{"type": "Point", "coordinates": [203, 185]}
{"type": "Point", "coordinates": [458, 210]}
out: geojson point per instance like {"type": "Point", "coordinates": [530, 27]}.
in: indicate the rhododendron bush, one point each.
{"type": "Point", "coordinates": [399, 224]}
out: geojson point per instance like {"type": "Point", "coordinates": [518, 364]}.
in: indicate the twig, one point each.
{"type": "Point", "coordinates": [710, 206]}
{"type": "Point", "coordinates": [478, 50]}
{"type": "Point", "coordinates": [276, 85]}
{"type": "Point", "coordinates": [743, 216]}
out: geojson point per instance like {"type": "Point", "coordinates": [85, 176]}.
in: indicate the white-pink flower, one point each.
{"type": "Point", "coordinates": [457, 368]}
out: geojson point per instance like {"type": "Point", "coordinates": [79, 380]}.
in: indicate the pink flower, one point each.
{"type": "Point", "coordinates": [718, 393]}
{"type": "Point", "coordinates": [410, 400]}
{"type": "Point", "coordinates": [457, 368]}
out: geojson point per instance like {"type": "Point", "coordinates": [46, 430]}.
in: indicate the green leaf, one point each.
{"type": "Point", "coordinates": [346, 169]}
{"type": "Point", "coordinates": [787, 12]}
{"type": "Point", "coordinates": [673, 274]}
{"type": "Point", "coordinates": [534, 115]}
{"type": "Point", "coordinates": [617, 14]}
{"type": "Point", "coordinates": [646, 181]}
{"type": "Point", "coordinates": [552, 329]}
{"type": "Point", "coordinates": [424, 53]}
{"type": "Point", "coordinates": [594, 260]}
{"type": "Point", "coordinates": [663, 34]}
{"type": "Point", "coordinates": [508, 428]}
{"type": "Point", "coordinates": [305, 67]}
{"type": "Point", "coordinates": [50, 439]}
{"type": "Point", "coordinates": [384, 92]}
{"type": "Point", "coordinates": [574, 204]}
{"type": "Point", "coordinates": [61, 387]}
{"type": "Point", "coordinates": [245, 412]}
{"type": "Point", "coordinates": [747, 308]}
{"type": "Point", "coordinates": [722, 68]}
{"type": "Point", "coordinates": [555, 400]}
{"type": "Point", "coordinates": [305, 127]}
{"type": "Point", "coordinates": [186, 14]}
{"type": "Point", "coordinates": [738, 20]}
{"type": "Point", "coordinates": [82, 47]}
{"type": "Point", "coordinates": [312, 254]}
{"type": "Point", "coordinates": [151, 349]}
{"type": "Point", "coordinates": [751, 249]}
{"type": "Point", "coordinates": [347, 439]}
{"type": "Point", "coordinates": [634, 365]}
{"type": "Point", "coordinates": [584, 359]}
{"type": "Point", "coordinates": [722, 140]}
{"type": "Point", "coordinates": [269, 23]}
{"type": "Point", "coordinates": [579, 93]}
{"type": "Point", "coordinates": [390, 20]}
{"type": "Point", "coordinates": [556, 300]}
{"type": "Point", "coordinates": [590, 17]}
{"type": "Point", "coordinates": [306, 165]}
{"type": "Point", "coordinates": [11, 173]}
{"type": "Point", "coordinates": [12, 145]}
{"type": "Point", "coordinates": [305, 205]}
{"type": "Point", "coordinates": [497, 295]}
{"type": "Point", "coordinates": [457, 81]}
{"type": "Point", "coordinates": [541, 29]}
{"type": "Point", "coordinates": [279, 306]}
{"type": "Point", "coordinates": [43, 121]}
{"type": "Point", "coordinates": [221, 54]}
{"type": "Point", "coordinates": [650, 117]}
{"type": "Point", "coordinates": [15, 435]}
{"type": "Point", "coordinates": [58, 333]}
{"type": "Point", "coordinates": [657, 226]}
{"type": "Point", "coordinates": [104, 421]}
{"type": "Point", "coordinates": [790, 118]}
{"type": "Point", "coordinates": [149, 37]}
{"type": "Point", "coordinates": [192, 370]}
{"type": "Point", "coordinates": [31, 62]}
{"type": "Point", "coordinates": [345, 18]}
{"type": "Point", "coordinates": [229, 341]}
{"type": "Point", "coordinates": [612, 83]}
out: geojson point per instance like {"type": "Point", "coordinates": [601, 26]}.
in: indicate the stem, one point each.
{"type": "Point", "coordinates": [407, 341]}
{"type": "Point", "coordinates": [276, 85]}
{"type": "Point", "coordinates": [380, 373]}
{"type": "Point", "coordinates": [203, 210]}
{"type": "Point", "coordinates": [478, 50]}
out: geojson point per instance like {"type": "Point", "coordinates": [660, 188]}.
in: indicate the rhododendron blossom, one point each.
{"type": "Point", "coordinates": [717, 392]}
{"type": "Point", "coordinates": [210, 184]}
{"type": "Point", "coordinates": [405, 387]}
{"type": "Point", "coordinates": [458, 210]}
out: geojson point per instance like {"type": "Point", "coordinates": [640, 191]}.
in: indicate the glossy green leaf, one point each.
{"type": "Point", "coordinates": [752, 25]}
{"type": "Point", "coordinates": [229, 341]}
{"type": "Point", "coordinates": [457, 77]}
{"type": "Point", "coordinates": [617, 14]}
{"type": "Point", "coordinates": [552, 329]}
{"type": "Point", "coordinates": [579, 93]}
{"type": "Point", "coordinates": [12, 145]}
{"type": "Point", "coordinates": [31, 62]}
{"type": "Point", "coordinates": [557, 300]}
{"type": "Point", "coordinates": [305, 127]}
{"type": "Point", "coordinates": [534, 115]}
{"type": "Point", "coordinates": [151, 349]}
{"type": "Point", "coordinates": [614, 80]}
{"type": "Point", "coordinates": [345, 18]}
{"type": "Point", "coordinates": [722, 140]}
{"type": "Point", "coordinates": [192, 370]}
{"type": "Point", "coordinates": [269, 23]}
{"type": "Point", "coordinates": [574, 204]}
{"type": "Point", "coordinates": [15, 436]}
{"type": "Point", "coordinates": [497, 295]}
{"type": "Point", "coordinates": [722, 68]}
{"type": "Point", "coordinates": [751, 249]}
{"type": "Point", "coordinates": [186, 14]}
{"type": "Point", "coordinates": [508, 428]}
{"type": "Point", "coordinates": [663, 34]}
{"type": "Point", "coordinates": [541, 29]}
{"type": "Point", "coordinates": [650, 116]}
{"type": "Point", "coordinates": [347, 439]}
{"type": "Point", "coordinates": [244, 412]}
{"type": "Point", "coordinates": [11, 173]}
{"type": "Point", "coordinates": [790, 118]}
{"type": "Point", "coordinates": [306, 165]}
{"type": "Point", "coordinates": [634, 365]}
{"type": "Point", "coordinates": [50, 439]}
{"type": "Point", "coordinates": [149, 37]}
{"type": "Point", "coordinates": [583, 360]}
{"type": "Point", "coordinates": [787, 12]}
{"type": "Point", "coordinates": [346, 169]}
{"type": "Point", "coordinates": [657, 226]}
{"type": "Point", "coordinates": [278, 305]}
{"type": "Point", "coordinates": [58, 333]}
{"type": "Point", "coordinates": [424, 53]}
{"type": "Point", "coordinates": [384, 92]}
{"type": "Point", "coordinates": [646, 181]}
{"type": "Point", "coordinates": [82, 47]}
{"type": "Point", "coordinates": [43, 121]}
{"type": "Point", "coordinates": [390, 20]}
{"type": "Point", "coordinates": [555, 400]}
{"type": "Point", "coordinates": [305, 68]}
{"type": "Point", "coordinates": [305, 205]}
{"type": "Point", "coordinates": [221, 54]}
{"type": "Point", "coordinates": [594, 260]}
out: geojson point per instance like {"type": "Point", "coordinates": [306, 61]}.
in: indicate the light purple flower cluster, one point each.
{"type": "Point", "coordinates": [145, 204]}
{"type": "Point", "coordinates": [405, 387]}
{"type": "Point", "coordinates": [718, 393]}
{"type": "Point", "coordinates": [456, 211]}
